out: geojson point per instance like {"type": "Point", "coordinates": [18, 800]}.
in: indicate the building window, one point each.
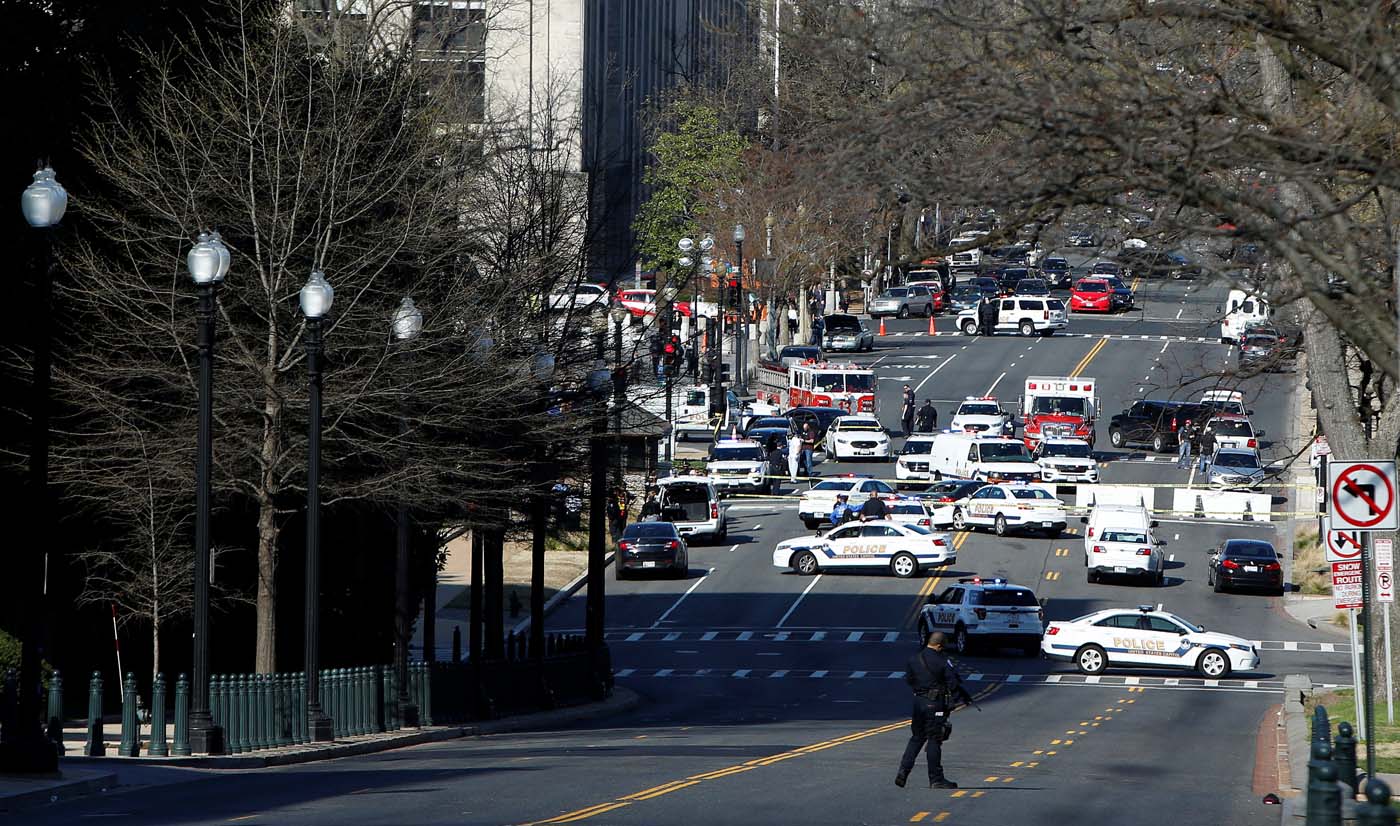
{"type": "Point", "coordinates": [450, 26]}
{"type": "Point", "coordinates": [464, 80]}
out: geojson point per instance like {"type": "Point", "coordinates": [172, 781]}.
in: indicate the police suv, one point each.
{"type": "Point", "coordinates": [739, 465]}
{"type": "Point", "coordinates": [902, 549]}
{"type": "Point", "coordinates": [1144, 638]}
{"type": "Point", "coordinates": [1005, 508]}
{"type": "Point", "coordinates": [986, 613]}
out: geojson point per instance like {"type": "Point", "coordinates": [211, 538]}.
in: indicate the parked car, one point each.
{"type": "Point", "coordinates": [1091, 295]}
{"type": "Point", "coordinates": [987, 285]}
{"type": "Point", "coordinates": [820, 417]}
{"type": "Point", "coordinates": [1032, 286]}
{"type": "Point", "coordinates": [798, 353]}
{"type": "Point", "coordinates": [844, 332]}
{"type": "Point", "coordinates": [651, 546]}
{"type": "Point", "coordinates": [1244, 563]}
{"type": "Point", "coordinates": [581, 298]}
{"type": "Point", "coordinates": [1082, 237]}
{"type": "Point", "coordinates": [1232, 430]}
{"type": "Point", "coordinates": [1122, 293]}
{"type": "Point", "coordinates": [692, 503]}
{"type": "Point", "coordinates": [1153, 422]}
{"type": "Point", "coordinates": [1056, 271]}
{"type": "Point", "coordinates": [1009, 277]}
{"type": "Point", "coordinates": [1145, 638]}
{"type": "Point", "coordinates": [1263, 352]}
{"type": "Point", "coordinates": [858, 436]}
{"type": "Point", "coordinates": [901, 302]}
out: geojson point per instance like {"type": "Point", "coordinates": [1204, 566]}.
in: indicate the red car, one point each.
{"type": "Point", "coordinates": [1091, 295]}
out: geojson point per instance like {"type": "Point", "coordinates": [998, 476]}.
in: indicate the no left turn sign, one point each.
{"type": "Point", "coordinates": [1363, 495]}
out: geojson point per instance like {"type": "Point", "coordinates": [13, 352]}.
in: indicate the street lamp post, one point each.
{"type": "Point", "coordinates": [741, 333]}
{"type": "Point", "coordinates": [23, 746]}
{"type": "Point", "coordinates": [405, 324]}
{"type": "Point", "coordinates": [208, 263]}
{"type": "Point", "coordinates": [542, 369]}
{"type": "Point", "coordinates": [316, 298]}
{"type": "Point", "coordinates": [619, 314]}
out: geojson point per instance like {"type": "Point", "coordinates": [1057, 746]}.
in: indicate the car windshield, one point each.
{"type": "Point", "coordinates": [1123, 536]}
{"type": "Point", "coordinates": [1186, 622]}
{"type": "Point", "coordinates": [799, 353]}
{"type": "Point", "coordinates": [919, 529]}
{"type": "Point", "coordinates": [1260, 341]}
{"type": "Point", "coordinates": [1005, 452]}
{"type": "Point", "coordinates": [1006, 597]}
{"type": "Point", "coordinates": [767, 421]}
{"type": "Point", "coordinates": [695, 398]}
{"type": "Point", "coordinates": [1246, 461]}
{"type": "Point", "coordinates": [1251, 550]}
{"type": "Point", "coordinates": [979, 410]}
{"type": "Point", "coordinates": [967, 293]}
{"type": "Point", "coordinates": [921, 446]}
{"type": "Point", "coordinates": [1030, 493]}
{"type": "Point", "coordinates": [895, 292]}
{"type": "Point", "coordinates": [1231, 427]}
{"type": "Point", "coordinates": [860, 382]}
{"type": "Point", "coordinates": [639, 530]}
{"type": "Point", "coordinates": [1091, 287]}
{"type": "Point", "coordinates": [830, 382]}
{"type": "Point", "coordinates": [1055, 304]}
{"type": "Point", "coordinates": [830, 485]}
{"type": "Point", "coordinates": [1072, 450]}
{"type": "Point", "coordinates": [842, 323]}
{"type": "Point", "coordinates": [859, 424]}
{"type": "Point", "coordinates": [1058, 406]}
{"type": "Point", "coordinates": [1055, 264]}
{"type": "Point", "coordinates": [737, 454]}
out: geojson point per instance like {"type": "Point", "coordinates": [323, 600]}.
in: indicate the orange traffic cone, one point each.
{"type": "Point", "coordinates": [882, 325]}
{"type": "Point", "coordinates": [932, 330]}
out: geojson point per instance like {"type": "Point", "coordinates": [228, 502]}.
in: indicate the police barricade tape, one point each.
{"type": "Point", "coordinates": [698, 464]}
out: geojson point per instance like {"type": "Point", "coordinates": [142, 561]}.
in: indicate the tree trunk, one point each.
{"type": "Point", "coordinates": [265, 656]}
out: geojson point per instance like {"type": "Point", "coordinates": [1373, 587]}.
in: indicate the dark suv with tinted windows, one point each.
{"type": "Point", "coordinates": [1154, 422]}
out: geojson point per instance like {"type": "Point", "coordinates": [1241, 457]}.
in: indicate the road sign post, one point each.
{"type": "Point", "coordinates": [1384, 552]}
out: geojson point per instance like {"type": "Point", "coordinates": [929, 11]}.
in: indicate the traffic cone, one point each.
{"type": "Point", "coordinates": [932, 330]}
{"type": "Point", "coordinates": [882, 325]}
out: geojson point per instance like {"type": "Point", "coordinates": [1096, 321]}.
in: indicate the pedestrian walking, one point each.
{"type": "Point", "coordinates": [907, 411]}
{"type": "Point", "coordinates": [938, 691]}
{"type": "Point", "coordinates": [794, 457]}
{"type": "Point", "coordinates": [927, 418]}
{"type": "Point", "coordinates": [873, 508]}
{"type": "Point", "coordinates": [1207, 448]}
{"type": "Point", "coordinates": [1183, 451]}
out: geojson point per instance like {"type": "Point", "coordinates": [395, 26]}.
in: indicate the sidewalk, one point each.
{"type": "Point", "coordinates": [1314, 611]}
{"type": "Point", "coordinates": [81, 776]}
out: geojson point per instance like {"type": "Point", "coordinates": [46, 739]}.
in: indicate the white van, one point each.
{"type": "Point", "coordinates": [1241, 311]}
{"type": "Point", "coordinates": [1119, 542]}
{"type": "Point", "coordinates": [692, 504]}
{"type": "Point", "coordinates": [986, 458]}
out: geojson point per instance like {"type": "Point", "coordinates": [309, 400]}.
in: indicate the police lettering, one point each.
{"type": "Point", "coordinates": [1139, 645]}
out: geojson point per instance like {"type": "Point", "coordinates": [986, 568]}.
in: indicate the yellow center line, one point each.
{"type": "Point", "coordinates": [1088, 357]}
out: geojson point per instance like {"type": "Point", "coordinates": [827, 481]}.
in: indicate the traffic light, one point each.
{"type": "Point", "coordinates": [671, 354]}
{"type": "Point", "coordinates": [733, 291]}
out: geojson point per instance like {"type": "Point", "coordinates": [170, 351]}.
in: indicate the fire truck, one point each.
{"type": "Point", "coordinates": [813, 383]}
{"type": "Point", "coordinates": [1059, 407]}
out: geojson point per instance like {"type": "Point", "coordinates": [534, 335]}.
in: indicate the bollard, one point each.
{"type": "Point", "coordinates": [1344, 756]}
{"type": "Point", "coordinates": [284, 709]}
{"type": "Point", "coordinates": [299, 710]}
{"type": "Point", "coordinates": [1321, 729]}
{"type": "Point", "coordinates": [361, 696]}
{"type": "Point", "coordinates": [54, 731]}
{"type": "Point", "coordinates": [1376, 811]}
{"type": "Point", "coordinates": [95, 746]}
{"type": "Point", "coordinates": [131, 730]}
{"type": "Point", "coordinates": [1324, 804]}
{"type": "Point", "coordinates": [257, 718]}
{"type": "Point", "coordinates": [157, 747]}
{"type": "Point", "coordinates": [181, 747]}
{"type": "Point", "coordinates": [1200, 512]}
{"type": "Point", "coordinates": [391, 700]}
{"type": "Point", "coordinates": [240, 699]}
{"type": "Point", "coordinates": [425, 696]}
{"type": "Point", "coordinates": [378, 699]}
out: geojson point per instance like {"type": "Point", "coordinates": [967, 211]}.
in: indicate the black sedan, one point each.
{"type": "Point", "coordinates": [1245, 563]}
{"type": "Point", "coordinates": [1057, 271]}
{"type": "Point", "coordinates": [965, 298]}
{"type": "Point", "coordinates": [820, 417]}
{"type": "Point", "coordinates": [1032, 286]}
{"type": "Point", "coordinates": [1122, 293]}
{"type": "Point", "coordinates": [763, 423]}
{"type": "Point", "coordinates": [988, 286]}
{"type": "Point", "coordinates": [942, 492]}
{"type": "Point", "coordinates": [652, 546]}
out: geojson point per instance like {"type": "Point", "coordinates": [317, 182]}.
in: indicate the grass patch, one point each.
{"type": "Point", "coordinates": [1310, 571]}
{"type": "Point", "coordinates": [1341, 707]}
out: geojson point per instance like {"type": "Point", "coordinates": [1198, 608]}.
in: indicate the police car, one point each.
{"type": "Point", "coordinates": [858, 436]}
{"type": "Point", "coordinates": [1066, 460]}
{"type": "Point", "coordinates": [814, 507]}
{"type": "Point", "coordinates": [943, 497]}
{"type": "Point", "coordinates": [903, 550]}
{"type": "Point", "coordinates": [988, 613]}
{"type": "Point", "coordinates": [914, 457]}
{"type": "Point", "coordinates": [1144, 638]}
{"type": "Point", "coordinates": [738, 465]}
{"type": "Point", "coordinates": [1005, 508]}
{"type": "Point", "coordinates": [982, 414]}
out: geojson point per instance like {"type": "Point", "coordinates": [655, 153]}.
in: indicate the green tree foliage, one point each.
{"type": "Point", "coordinates": [693, 160]}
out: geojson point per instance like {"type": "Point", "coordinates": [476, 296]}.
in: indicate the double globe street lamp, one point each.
{"type": "Point", "coordinates": [405, 325]}
{"type": "Point", "coordinates": [208, 263]}
{"type": "Point", "coordinates": [316, 299]}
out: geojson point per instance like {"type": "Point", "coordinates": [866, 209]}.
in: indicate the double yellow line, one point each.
{"type": "Point", "coordinates": [1088, 357]}
{"type": "Point", "coordinates": [911, 620]}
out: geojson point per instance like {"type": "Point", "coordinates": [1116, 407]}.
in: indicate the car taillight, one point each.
{"type": "Point", "coordinates": [926, 522]}
{"type": "Point", "coordinates": [673, 544]}
{"type": "Point", "coordinates": [1253, 443]}
{"type": "Point", "coordinates": [1047, 315]}
{"type": "Point", "coordinates": [1040, 615]}
{"type": "Point", "coordinates": [1230, 564]}
{"type": "Point", "coordinates": [945, 498]}
{"type": "Point", "coordinates": [624, 545]}
{"type": "Point", "coordinates": [1144, 552]}
{"type": "Point", "coordinates": [714, 510]}
{"type": "Point", "coordinates": [1091, 533]}
{"type": "Point", "coordinates": [1052, 630]}
{"type": "Point", "coordinates": [981, 613]}
{"type": "Point", "coordinates": [1273, 566]}
{"type": "Point", "coordinates": [1099, 549]}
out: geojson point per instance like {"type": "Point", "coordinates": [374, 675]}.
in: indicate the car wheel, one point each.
{"type": "Point", "coordinates": [1213, 664]}
{"type": "Point", "coordinates": [1091, 576]}
{"type": "Point", "coordinates": [1217, 586]}
{"type": "Point", "coordinates": [620, 574]}
{"type": "Point", "coordinates": [1159, 443]}
{"type": "Point", "coordinates": [969, 327]}
{"type": "Point", "coordinates": [805, 563]}
{"type": "Point", "coordinates": [959, 521]}
{"type": "Point", "coordinates": [903, 312]}
{"type": "Point", "coordinates": [1115, 437]}
{"type": "Point", "coordinates": [904, 565]}
{"type": "Point", "coordinates": [1027, 328]}
{"type": "Point", "coordinates": [999, 525]}
{"type": "Point", "coordinates": [1091, 660]}
{"type": "Point", "coordinates": [961, 640]}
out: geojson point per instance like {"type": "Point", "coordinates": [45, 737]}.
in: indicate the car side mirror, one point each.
{"type": "Point", "coordinates": [1152, 524]}
{"type": "Point", "coordinates": [1249, 412]}
{"type": "Point", "coordinates": [1159, 543]}
{"type": "Point", "coordinates": [1259, 433]}
{"type": "Point", "coordinates": [1084, 520]}
{"type": "Point", "coordinates": [1181, 632]}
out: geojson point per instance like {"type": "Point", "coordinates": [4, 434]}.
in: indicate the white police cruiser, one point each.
{"type": "Point", "coordinates": [987, 613]}
{"type": "Point", "coordinates": [739, 465]}
{"type": "Point", "coordinates": [814, 506]}
{"type": "Point", "coordinates": [982, 414]}
{"type": "Point", "coordinates": [858, 436]}
{"type": "Point", "coordinates": [1144, 638]}
{"type": "Point", "coordinates": [904, 550]}
{"type": "Point", "coordinates": [1005, 508]}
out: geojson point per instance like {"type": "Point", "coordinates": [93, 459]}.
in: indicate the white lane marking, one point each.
{"type": "Point", "coordinates": [1159, 606]}
{"type": "Point", "coordinates": [686, 651]}
{"type": "Point", "coordinates": [1131, 681]}
{"type": "Point", "coordinates": [1053, 678]}
{"type": "Point", "coordinates": [742, 672]}
{"type": "Point", "coordinates": [769, 654]}
{"type": "Point", "coordinates": [671, 637]}
{"type": "Point", "coordinates": [818, 636]}
{"type": "Point", "coordinates": [664, 672]}
{"type": "Point", "coordinates": [733, 549]}
{"type": "Point", "coordinates": [1013, 678]}
{"type": "Point", "coordinates": [816, 675]}
{"type": "Point", "coordinates": [756, 527]}
{"type": "Point", "coordinates": [779, 674]}
{"type": "Point", "coordinates": [1164, 348]}
{"type": "Point", "coordinates": [781, 636]}
{"type": "Point", "coordinates": [895, 675]}
{"type": "Point", "coordinates": [677, 603]}
{"type": "Point", "coordinates": [744, 636]}
{"type": "Point", "coordinates": [854, 636]}
{"type": "Point", "coordinates": [1094, 680]}
{"type": "Point", "coordinates": [878, 360]}
{"type": "Point", "coordinates": [626, 672]}
{"type": "Point", "coordinates": [995, 383]}
{"type": "Point", "coordinates": [799, 599]}
{"type": "Point", "coordinates": [935, 371]}
{"type": "Point", "coordinates": [856, 675]}
{"type": "Point", "coordinates": [1290, 646]}
{"type": "Point", "coordinates": [1180, 311]}
{"type": "Point", "coordinates": [708, 635]}
{"type": "Point", "coordinates": [891, 636]}
{"type": "Point", "coordinates": [1171, 558]}
{"type": "Point", "coordinates": [1176, 536]}
{"type": "Point", "coordinates": [633, 637]}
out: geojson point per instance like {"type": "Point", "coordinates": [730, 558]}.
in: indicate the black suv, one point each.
{"type": "Point", "coordinates": [1154, 422]}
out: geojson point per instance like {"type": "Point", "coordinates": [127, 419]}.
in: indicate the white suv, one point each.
{"type": "Point", "coordinates": [988, 613]}
{"type": "Point", "coordinates": [1022, 314]}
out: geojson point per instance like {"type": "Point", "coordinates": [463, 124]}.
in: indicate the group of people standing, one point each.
{"type": "Point", "coordinates": [924, 418]}
{"type": "Point", "coordinates": [1198, 439]}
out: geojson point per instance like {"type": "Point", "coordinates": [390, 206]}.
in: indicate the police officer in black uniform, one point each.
{"type": "Point", "coordinates": [987, 316]}
{"type": "Point", "coordinates": [937, 692]}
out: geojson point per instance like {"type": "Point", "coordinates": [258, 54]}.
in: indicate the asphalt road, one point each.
{"type": "Point", "coordinates": [775, 698]}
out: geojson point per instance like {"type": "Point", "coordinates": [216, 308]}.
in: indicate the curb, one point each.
{"type": "Point", "coordinates": [622, 699]}
{"type": "Point", "coordinates": [562, 595]}
{"type": "Point", "coordinates": [53, 794]}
